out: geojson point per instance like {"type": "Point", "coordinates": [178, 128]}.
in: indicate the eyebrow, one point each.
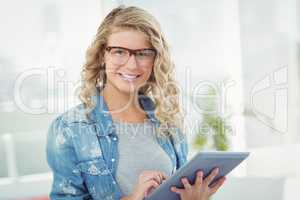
{"type": "Point", "coordinates": [149, 48]}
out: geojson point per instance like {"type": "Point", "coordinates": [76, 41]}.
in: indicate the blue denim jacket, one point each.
{"type": "Point", "coordinates": [82, 151]}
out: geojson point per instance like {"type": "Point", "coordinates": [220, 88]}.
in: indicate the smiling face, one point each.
{"type": "Point", "coordinates": [124, 71]}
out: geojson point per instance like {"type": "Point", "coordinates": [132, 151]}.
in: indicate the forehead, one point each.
{"type": "Point", "coordinates": [131, 39]}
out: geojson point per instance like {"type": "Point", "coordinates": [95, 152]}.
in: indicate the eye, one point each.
{"type": "Point", "coordinates": [118, 52]}
{"type": "Point", "coordinates": [145, 53]}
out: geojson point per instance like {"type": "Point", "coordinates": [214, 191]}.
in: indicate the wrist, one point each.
{"type": "Point", "coordinates": [129, 197]}
{"type": "Point", "coordinates": [133, 196]}
{"type": "Point", "coordinates": [125, 198]}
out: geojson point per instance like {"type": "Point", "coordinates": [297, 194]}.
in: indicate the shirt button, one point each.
{"type": "Point", "coordinates": [114, 139]}
{"type": "Point", "coordinates": [106, 113]}
{"type": "Point", "coordinates": [112, 160]}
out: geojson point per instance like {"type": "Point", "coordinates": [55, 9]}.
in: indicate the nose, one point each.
{"type": "Point", "coordinates": [131, 63]}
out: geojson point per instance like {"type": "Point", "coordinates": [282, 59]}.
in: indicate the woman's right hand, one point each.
{"type": "Point", "coordinates": [147, 181]}
{"type": "Point", "coordinates": [201, 189]}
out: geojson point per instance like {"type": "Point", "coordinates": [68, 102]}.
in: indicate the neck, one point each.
{"type": "Point", "coordinates": [121, 102]}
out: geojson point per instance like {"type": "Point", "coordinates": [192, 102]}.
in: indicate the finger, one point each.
{"type": "Point", "coordinates": [156, 178]}
{"type": "Point", "coordinates": [217, 181]}
{"type": "Point", "coordinates": [211, 176]}
{"type": "Point", "coordinates": [150, 190]}
{"type": "Point", "coordinates": [216, 185]}
{"type": "Point", "coordinates": [150, 183]}
{"type": "Point", "coordinates": [177, 190]}
{"type": "Point", "coordinates": [145, 176]}
{"type": "Point", "coordinates": [164, 176]}
{"type": "Point", "coordinates": [199, 178]}
{"type": "Point", "coordinates": [160, 176]}
{"type": "Point", "coordinates": [186, 183]}
{"type": "Point", "coordinates": [150, 175]}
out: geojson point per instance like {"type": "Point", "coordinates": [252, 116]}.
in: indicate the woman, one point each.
{"type": "Point", "coordinates": [125, 138]}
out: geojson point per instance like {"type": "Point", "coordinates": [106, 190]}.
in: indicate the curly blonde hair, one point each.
{"type": "Point", "coordinates": [161, 86]}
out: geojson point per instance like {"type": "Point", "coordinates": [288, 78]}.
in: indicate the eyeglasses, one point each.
{"type": "Point", "coordinates": [121, 55]}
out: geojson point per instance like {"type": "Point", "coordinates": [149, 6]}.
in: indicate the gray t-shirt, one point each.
{"type": "Point", "coordinates": [138, 151]}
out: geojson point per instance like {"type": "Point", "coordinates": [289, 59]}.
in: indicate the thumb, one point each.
{"type": "Point", "coordinates": [149, 191]}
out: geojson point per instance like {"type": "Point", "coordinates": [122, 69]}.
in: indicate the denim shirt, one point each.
{"type": "Point", "coordinates": [82, 151]}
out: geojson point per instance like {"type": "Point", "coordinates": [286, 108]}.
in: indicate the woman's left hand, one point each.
{"type": "Point", "coordinates": [200, 190]}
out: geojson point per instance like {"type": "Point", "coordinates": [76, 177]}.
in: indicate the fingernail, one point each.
{"type": "Point", "coordinates": [200, 173]}
{"type": "Point", "coordinates": [217, 170]}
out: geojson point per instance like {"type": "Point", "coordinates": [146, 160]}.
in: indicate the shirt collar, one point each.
{"type": "Point", "coordinates": [102, 116]}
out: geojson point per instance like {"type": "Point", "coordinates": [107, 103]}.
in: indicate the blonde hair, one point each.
{"type": "Point", "coordinates": [161, 87]}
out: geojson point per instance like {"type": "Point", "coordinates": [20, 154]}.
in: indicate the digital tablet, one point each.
{"type": "Point", "coordinates": [206, 161]}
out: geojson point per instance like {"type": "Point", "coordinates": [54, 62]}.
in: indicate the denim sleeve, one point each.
{"type": "Point", "coordinates": [67, 183]}
{"type": "Point", "coordinates": [180, 143]}
{"type": "Point", "coordinates": [184, 148]}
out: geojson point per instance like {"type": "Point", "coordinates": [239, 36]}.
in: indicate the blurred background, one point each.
{"type": "Point", "coordinates": [238, 59]}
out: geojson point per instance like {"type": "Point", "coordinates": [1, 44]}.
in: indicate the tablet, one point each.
{"type": "Point", "coordinates": [206, 161]}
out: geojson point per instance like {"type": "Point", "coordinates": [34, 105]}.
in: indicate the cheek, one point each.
{"type": "Point", "coordinates": [111, 69]}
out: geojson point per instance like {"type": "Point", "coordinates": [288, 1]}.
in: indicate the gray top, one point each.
{"type": "Point", "coordinates": [138, 151]}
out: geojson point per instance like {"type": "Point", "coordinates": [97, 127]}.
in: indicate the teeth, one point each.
{"type": "Point", "coordinates": [129, 76]}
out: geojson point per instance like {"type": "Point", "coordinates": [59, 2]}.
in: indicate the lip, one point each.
{"type": "Point", "coordinates": [128, 77]}
{"type": "Point", "coordinates": [130, 74]}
